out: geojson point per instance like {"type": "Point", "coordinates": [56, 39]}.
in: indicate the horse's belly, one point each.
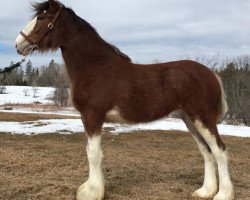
{"type": "Point", "coordinates": [132, 117]}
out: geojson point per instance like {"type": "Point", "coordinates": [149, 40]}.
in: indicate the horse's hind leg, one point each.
{"type": "Point", "coordinates": [209, 187]}
{"type": "Point", "coordinates": [210, 134]}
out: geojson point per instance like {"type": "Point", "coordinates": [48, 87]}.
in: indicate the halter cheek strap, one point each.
{"type": "Point", "coordinates": [49, 28]}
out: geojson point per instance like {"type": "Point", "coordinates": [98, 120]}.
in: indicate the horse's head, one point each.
{"type": "Point", "coordinates": [41, 32]}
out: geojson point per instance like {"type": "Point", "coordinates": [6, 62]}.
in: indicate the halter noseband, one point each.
{"type": "Point", "coordinates": [50, 27]}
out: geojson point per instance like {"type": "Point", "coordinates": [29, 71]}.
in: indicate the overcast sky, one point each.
{"type": "Point", "coordinates": [146, 29]}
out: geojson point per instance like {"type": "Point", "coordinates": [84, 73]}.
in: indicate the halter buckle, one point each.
{"type": "Point", "coordinates": [50, 26]}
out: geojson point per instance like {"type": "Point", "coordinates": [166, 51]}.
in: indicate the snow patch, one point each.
{"type": "Point", "coordinates": [25, 95]}
{"type": "Point", "coordinates": [67, 126]}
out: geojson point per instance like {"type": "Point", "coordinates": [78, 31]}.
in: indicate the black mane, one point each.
{"type": "Point", "coordinates": [40, 7]}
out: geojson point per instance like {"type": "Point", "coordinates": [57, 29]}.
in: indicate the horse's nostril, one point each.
{"type": "Point", "coordinates": [18, 51]}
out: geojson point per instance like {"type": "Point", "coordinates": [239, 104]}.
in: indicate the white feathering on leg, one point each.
{"type": "Point", "coordinates": [209, 187]}
{"type": "Point", "coordinates": [225, 184]}
{"type": "Point", "coordinates": [93, 188]}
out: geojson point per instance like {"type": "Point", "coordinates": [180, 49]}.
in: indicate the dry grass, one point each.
{"type": "Point", "coordinates": [37, 107]}
{"type": "Point", "coordinates": [137, 166]}
{"type": "Point", "coordinates": [23, 117]}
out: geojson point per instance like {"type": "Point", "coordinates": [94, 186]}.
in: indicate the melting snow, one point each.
{"type": "Point", "coordinates": [25, 95]}
{"type": "Point", "coordinates": [67, 126]}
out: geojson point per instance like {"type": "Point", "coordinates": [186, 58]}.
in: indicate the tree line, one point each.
{"type": "Point", "coordinates": [44, 76]}
{"type": "Point", "coordinates": [235, 75]}
{"type": "Point", "coordinates": [53, 75]}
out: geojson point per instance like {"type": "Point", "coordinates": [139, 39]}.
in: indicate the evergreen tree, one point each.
{"type": "Point", "coordinates": [36, 77]}
{"type": "Point", "coordinates": [236, 79]}
{"type": "Point", "coordinates": [28, 73]}
{"type": "Point", "coordinates": [61, 94]}
{"type": "Point", "coordinates": [21, 76]}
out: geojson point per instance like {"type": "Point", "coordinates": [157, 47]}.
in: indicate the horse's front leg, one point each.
{"type": "Point", "coordinates": [93, 188]}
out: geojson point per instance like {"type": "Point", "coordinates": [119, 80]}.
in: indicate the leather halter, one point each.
{"type": "Point", "coordinates": [50, 27]}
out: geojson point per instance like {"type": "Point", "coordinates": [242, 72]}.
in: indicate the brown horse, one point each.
{"type": "Point", "coordinates": [106, 84]}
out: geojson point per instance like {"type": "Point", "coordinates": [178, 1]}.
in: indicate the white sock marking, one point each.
{"type": "Point", "coordinates": [209, 186]}
{"type": "Point", "coordinates": [95, 158]}
{"type": "Point", "coordinates": [225, 185]}
{"type": "Point", "coordinates": [93, 188]}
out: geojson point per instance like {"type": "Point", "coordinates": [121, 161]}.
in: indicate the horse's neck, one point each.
{"type": "Point", "coordinates": [80, 52]}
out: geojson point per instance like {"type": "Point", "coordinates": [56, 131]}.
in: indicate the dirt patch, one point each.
{"type": "Point", "coordinates": [36, 107]}
{"type": "Point", "coordinates": [137, 166]}
{"type": "Point", "coordinates": [24, 117]}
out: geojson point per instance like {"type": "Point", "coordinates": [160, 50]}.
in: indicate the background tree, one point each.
{"type": "Point", "coordinates": [236, 79]}
{"type": "Point", "coordinates": [11, 78]}
{"type": "Point", "coordinates": [61, 94]}
{"type": "Point", "coordinates": [28, 73]}
{"type": "Point", "coordinates": [48, 75]}
{"type": "Point", "coordinates": [2, 85]}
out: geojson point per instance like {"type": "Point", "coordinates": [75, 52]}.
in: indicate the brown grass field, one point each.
{"type": "Point", "coordinates": [137, 166]}
{"type": "Point", "coordinates": [23, 117]}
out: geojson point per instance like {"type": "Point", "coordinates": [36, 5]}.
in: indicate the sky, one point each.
{"type": "Point", "coordinates": [146, 30]}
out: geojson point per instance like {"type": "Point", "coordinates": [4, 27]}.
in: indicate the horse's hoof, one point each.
{"type": "Point", "coordinates": [228, 195]}
{"type": "Point", "coordinates": [88, 191]}
{"type": "Point", "coordinates": [204, 193]}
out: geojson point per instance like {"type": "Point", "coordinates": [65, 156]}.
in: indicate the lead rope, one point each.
{"type": "Point", "coordinates": [18, 64]}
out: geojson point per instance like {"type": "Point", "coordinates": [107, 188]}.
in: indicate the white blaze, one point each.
{"type": "Point", "coordinates": [27, 30]}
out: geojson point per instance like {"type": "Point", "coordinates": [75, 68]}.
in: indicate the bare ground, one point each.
{"type": "Point", "coordinates": [24, 117]}
{"type": "Point", "coordinates": [137, 166]}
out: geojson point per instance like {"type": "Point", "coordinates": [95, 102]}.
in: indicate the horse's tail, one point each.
{"type": "Point", "coordinates": [224, 106]}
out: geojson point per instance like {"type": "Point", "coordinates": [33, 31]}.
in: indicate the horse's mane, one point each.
{"type": "Point", "coordinates": [40, 7]}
